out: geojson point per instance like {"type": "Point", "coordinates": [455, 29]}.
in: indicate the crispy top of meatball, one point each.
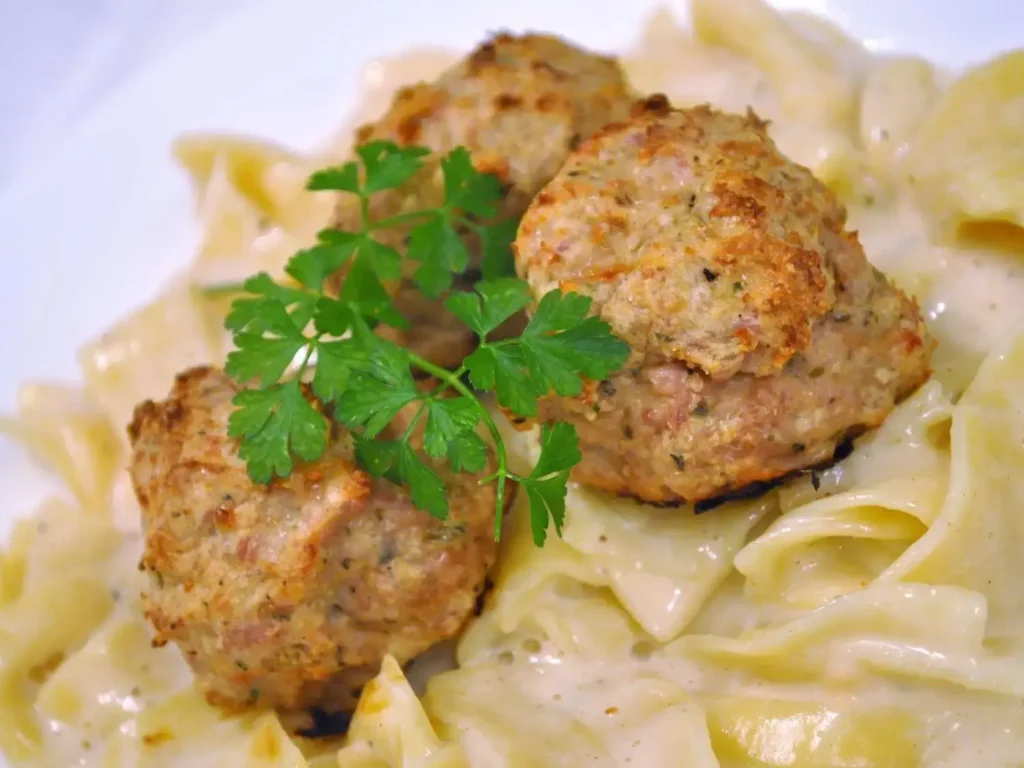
{"type": "Point", "coordinates": [762, 336]}
{"type": "Point", "coordinates": [519, 104]}
{"type": "Point", "coordinates": [697, 240]}
{"type": "Point", "coordinates": [290, 593]}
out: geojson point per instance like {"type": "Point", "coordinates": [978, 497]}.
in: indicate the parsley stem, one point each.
{"type": "Point", "coordinates": [212, 290]}
{"type": "Point", "coordinates": [494, 476]}
{"type": "Point", "coordinates": [499, 445]}
{"type": "Point", "coordinates": [468, 223]}
{"type": "Point", "coordinates": [310, 346]}
{"type": "Point", "coordinates": [502, 342]}
{"type": "Point", "coordinates": [401, 218]}
{"type": "Point", "coordinates": [416, 419]}
{"type": "Point", "coordinates": [364, 211]}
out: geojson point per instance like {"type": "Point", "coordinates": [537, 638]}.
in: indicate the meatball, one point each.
{"type": "Point", "coordinates": [520, 105]}
{"type": "Point", "coordinates": [761, 336]}
{"type": "Point", "coordinates": [290, 594]}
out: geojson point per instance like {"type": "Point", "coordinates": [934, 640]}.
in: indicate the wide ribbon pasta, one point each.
{"type": "Point", "coordinates": [660, 564]}
{"type": "Point", "coordinates": [967, 170]}
{"type": "Point", "coordinates": [844, 526]}
{"type": "Point", "coordinates": [947, 609]}
{"type": "Point", "coordinates": [606, 717]}
{"type": "Point", "coordinates": [390, 729]}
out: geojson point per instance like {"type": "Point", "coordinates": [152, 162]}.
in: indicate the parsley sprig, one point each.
{"type": "Point", "coordinates": [287, 334]}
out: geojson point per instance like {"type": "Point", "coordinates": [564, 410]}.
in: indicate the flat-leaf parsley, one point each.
{"type": "Point", "coordinates": [363, 381]}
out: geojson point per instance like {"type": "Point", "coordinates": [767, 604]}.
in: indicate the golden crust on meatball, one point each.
{"type": "Point", "coordinates": [519, 104]}
{"type": "Point", "coordinates": [697, 240]}
{"type": "Point", "coordinates": [290, 594]}
{"type": "Point", "coordinates": [762, 337]}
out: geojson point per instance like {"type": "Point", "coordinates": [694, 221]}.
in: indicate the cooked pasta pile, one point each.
{"type": "Point", "coordinates": [864, 615]}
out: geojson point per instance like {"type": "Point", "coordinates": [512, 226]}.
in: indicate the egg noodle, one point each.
{"type": "Point", "coordinates": [869, 615]}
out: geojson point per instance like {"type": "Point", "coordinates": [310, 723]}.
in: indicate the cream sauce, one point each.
{"type": "Point", "coordinates": [969, 292]}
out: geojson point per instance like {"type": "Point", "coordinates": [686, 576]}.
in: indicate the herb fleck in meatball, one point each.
{"type": "Point", "coordinates": [761, 336]}
{"type": "Point", "coordinates": [290, 594]}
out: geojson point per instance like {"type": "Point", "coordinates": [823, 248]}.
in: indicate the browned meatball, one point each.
{"type": "Point", "coordinates": [761, 336]}
{"type": "Point", "coordinates": [520, 105]}
{"type": "Point", "coordinates": [290, 594]}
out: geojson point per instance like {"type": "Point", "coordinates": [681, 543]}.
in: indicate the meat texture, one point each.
{"type": "Point", "coordinates": [761, 336]}
{"type": "Point", "coordinates": [290, 594]}
{"type": "Point", "coordinates": [519, 105]}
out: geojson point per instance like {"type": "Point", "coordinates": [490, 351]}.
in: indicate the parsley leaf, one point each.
{"type": "Point", "coordinates": [426, 486]}
{"type": "Point", "coordinates": [273, 424]}
{"type": "Point", "coordinates": [362, 289]}
{"type": "Point", "coordinates": [255, 314]}
{"type": "Point", "coordinates": [334, 365]}
{"type": "Point", "coordinates": [440, 251]}
{"type": "Point", "coordinates": [496, 301]}
{"type": "Point", "coordinates": [398, 462]}
{"type": "Point", "coordinates": [467, 453]}
{"type": "Point", "coordinates": [436, 243]}
{"type": "Point", "coordinates": [282, 327]}
{"type": "Point", "coordinates": [363, 405]}
{"type": "Point", "coordinates": [342, 178]}
{"type": "Point", "coordinates": [451, 430]}
{"type": "Point", "coordinates": [377, 456]}
{"type": "Point", "coordinates": [335, 317]}
{"type": "Point", "coordinates": [389, 165]}
{"type": "Point", "coordinates": [559, 346]}
{"type": "Point", "coordinates": [502, 369]}
{"type": "Point", "coordinates": [497, 260]}
{"type": "Point", "coordinates": [466, 188]}
{"type": "Point", "coordinates": [262, 357]}
{"type": "Point", "coordinates": [376, 395]}
{"type": "Point", "coordinates": [447, 419]}
{"type": "Point", "coordinates": [561, 342]}
{"type": "Point", "coordinates": [546, 484]}
{"type": "Point", "coordinates": [312, 266]}
{"type": "Point", "coordinates": [385, 260]}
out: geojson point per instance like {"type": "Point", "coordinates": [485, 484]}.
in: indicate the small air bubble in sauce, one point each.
{"type": "Point", "coordinates": [642, 650]}
{"type": "Point", "coordinates": [531, 645]}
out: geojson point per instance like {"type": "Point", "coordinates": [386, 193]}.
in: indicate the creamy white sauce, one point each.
{"type": "Point", "coordinates": [970, 294]}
